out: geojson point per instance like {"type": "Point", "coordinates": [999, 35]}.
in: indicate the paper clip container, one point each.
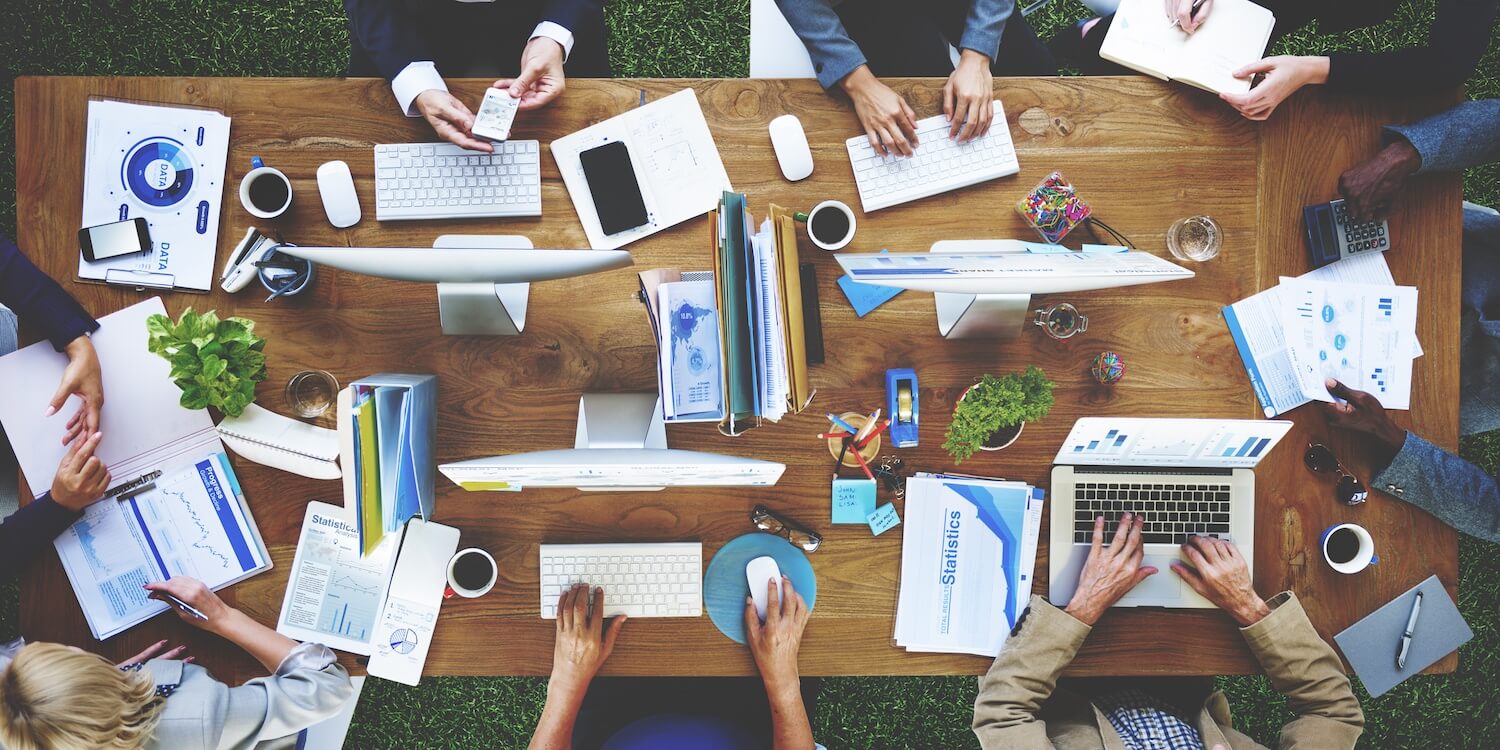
{"type": "Point", "coordinates": [1053, 208]}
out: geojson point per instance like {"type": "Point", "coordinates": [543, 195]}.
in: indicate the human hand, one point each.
{"type": "Point", "coordinates": [1283, 75]}
{"type": "Point", "coordinates": [1220, 574]}
{"type": "Point", "coordinates": [887, 119]}
{"type": "Point", "coordinates": [968, 97]}
{"type": "Point", "coordinates": [775, 642]}
{"type": "Point", "coordinates": [1188, 19]}
{"type": "Point", "coordinates": [450, 119]}
{"type": "Point", "coordinates": [83, 379]}
{"type": "Point", "coordinates": [1369, 187]}
{"type": "Point", "coordinates": [1362, 412]}
{"type": "Point", "coordinates": [198, 596]}
{"type": "Point", "coordinates": [582, 644]}
{"type": "Point", "coordinates": [81, 478]}
{"type": "Point", "coordinates": [156, 650]}
{"type": "Point", "coordinates": [541, 79]}
{"type": "Point", "coordinates": [1110, 573]}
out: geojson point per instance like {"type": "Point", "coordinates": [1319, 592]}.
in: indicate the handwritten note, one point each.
{"type": "Point", "coordinates": [883, 519]}
{"type": "Point", "coordinates": [853, 500]}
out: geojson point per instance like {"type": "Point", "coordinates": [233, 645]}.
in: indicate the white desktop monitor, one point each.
{"type": "Point", "coordinates": [483, 281]}
{"type": "Point", "coordinates": [984, 287]}
{"type": "Point", "coordinates": [621, 445]}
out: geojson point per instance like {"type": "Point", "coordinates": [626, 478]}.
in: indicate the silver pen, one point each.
{"type": "Point", "coordinates": [182, 605]}
{"type": "Point", "coordinates": [1411, 628]}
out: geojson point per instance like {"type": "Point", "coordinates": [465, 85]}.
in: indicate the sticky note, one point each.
{"type": "Point", "coordinates": [866, 297]}
{"type": "Point", "coordinates": [853, 500]}
{"type": "Point", "coordinates": [1043, 248]}
{"type": "Point", "coordinates": [883, 519]}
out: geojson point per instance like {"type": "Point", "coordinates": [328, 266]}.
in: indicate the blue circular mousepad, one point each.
{"type": "Point", "coordinates": [725, 587]}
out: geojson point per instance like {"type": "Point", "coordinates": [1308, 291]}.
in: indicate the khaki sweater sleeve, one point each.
{"type": "Point", "coordinates": [1305, 669]}
{"type": "Point", "coordinates": [1024, 676]}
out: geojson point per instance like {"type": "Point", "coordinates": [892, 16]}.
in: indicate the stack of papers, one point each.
{"type": "Point", "coordinates": [386, 440]}
{"type": "Point", "coordinates": [968, 557]}
{"type": "Point", "coordinates": [692, 377]}
{"type": "Point", "coordinates": [1348, 321]}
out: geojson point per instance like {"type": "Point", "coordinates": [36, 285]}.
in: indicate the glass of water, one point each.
{"type": "Point", "coordinates": [1196, 238]}
{"type": "Point", "coordinates": [311, 392]}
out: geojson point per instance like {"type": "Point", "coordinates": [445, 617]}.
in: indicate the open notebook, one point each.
{"type": "Point", "coordinates": [1143, 38]}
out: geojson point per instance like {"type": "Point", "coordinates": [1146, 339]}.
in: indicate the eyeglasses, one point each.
{"type": "Point", "coordinates": [769, 522]}
{"type": "Point", "coordinates": [1349, 491]}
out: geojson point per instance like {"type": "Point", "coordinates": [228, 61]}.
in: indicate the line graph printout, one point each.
{"type": "Point", "coordinates": [191, 521]}
{"type": "Point", "coordinates": [335, 595]}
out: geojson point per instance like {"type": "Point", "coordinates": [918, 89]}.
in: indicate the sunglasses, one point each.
{"type": "Point", "coordinates": [767, 521]}
{"type": "Point", "coordinates": [1349, 491]}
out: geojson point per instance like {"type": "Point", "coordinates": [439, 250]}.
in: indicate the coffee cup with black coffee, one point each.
{"type": "Point", "coordinates": [265, 191]}
{"type": "Point", "coordinates": [1348, 548]}
{"type": "Point", "coordinates": [471, 573]}
{"type": "Point", "coordinates": [830, 225]}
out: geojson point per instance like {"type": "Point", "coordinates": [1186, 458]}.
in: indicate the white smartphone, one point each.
{"type": "Point", "coordinates": [496, 113]}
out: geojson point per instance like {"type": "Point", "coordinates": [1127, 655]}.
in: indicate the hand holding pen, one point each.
{"type": "Point", "coordinates": [1188, 15]}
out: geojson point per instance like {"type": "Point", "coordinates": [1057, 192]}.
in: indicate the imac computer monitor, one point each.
{"type": "Point", "coordinates": [621, 445]}
{"type": "Point", "coordinates": [483, 281]}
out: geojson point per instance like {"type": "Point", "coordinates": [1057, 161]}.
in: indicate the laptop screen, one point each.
{"type": "Point", "coordinates": [1198, 443]}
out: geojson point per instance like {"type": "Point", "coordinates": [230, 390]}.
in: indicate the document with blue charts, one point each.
{"type": "Point", "coordinates": [191, 522]}
{"type": "Point", "coordinates": [335, 594]}
{"type": "Point", "coordinates": [1362, 335]}
{"type": "Point", "coordinates": [968, 559]}
{"type": "Point", "coordinates": [689, 328]}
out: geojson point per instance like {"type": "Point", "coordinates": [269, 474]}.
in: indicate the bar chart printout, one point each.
{"type": "Point", "coordinates": [1215, 443]}
{"type": "Point", "coordinates": [334, 591]}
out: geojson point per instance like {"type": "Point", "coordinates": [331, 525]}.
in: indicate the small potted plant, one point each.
{"type": "Point", "coordinates": [991, 413]}
{"type": "Point", "coordinates": [216, 362]}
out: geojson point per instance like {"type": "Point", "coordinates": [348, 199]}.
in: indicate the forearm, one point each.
{"type": "Point", "coordinates": [25, 534]}
{"type": "Point", "coordinates": [554, 731]}
{"type": "Point", "coordinates": [834, 54]}
{"type": "Point", "coordinates": [1024, 676]}
{"type": "Point", "coordinates": [1464, 136]}
{"type": "Point", "coordinates": [1459, 493]}
{"type": "Point", "coordinates": [985, 25]}
{"type": "Point", "coordinates": [790, 726]}
{"type": "Point", "coordinates": [267, 646]}
{"type": "Point", "coordinates": [1459, 35]}
{"type": "Point", "coordinates": [1304, 668]}
{"type": "Point", "coordinates": [38, 300]}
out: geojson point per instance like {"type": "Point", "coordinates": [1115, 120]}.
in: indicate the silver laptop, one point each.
{"type": "Point", "coordinates": [1186, 476]}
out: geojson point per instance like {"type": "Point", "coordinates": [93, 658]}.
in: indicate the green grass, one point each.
{"type": "Point", "coordinates": [704, 38]}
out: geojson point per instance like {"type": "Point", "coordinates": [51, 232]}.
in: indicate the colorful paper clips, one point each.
{"type": "Point", "coordinates": [1053, 208]}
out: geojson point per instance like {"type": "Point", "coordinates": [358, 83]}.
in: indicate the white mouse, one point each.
{"type": "Point", "coordinates": [336, 186]}
{"type": "Point", "coordinates": [758, 573]}
{"type": "Point", "coordinates": [790, 143]}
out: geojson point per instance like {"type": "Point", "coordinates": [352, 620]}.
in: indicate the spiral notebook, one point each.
{"type": "Point", "coordinates": [270, 439]}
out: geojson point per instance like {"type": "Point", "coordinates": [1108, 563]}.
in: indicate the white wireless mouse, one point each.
{"type": "Point", "coordinates": [758, 573]}
{"type": "Point", "coordinates": [790, 143]}
{"type": "Point", "coordinates": [336, 186]}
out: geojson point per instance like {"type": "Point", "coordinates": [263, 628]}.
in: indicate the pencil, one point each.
{"type": "Point", "coordinates": [863, 465]}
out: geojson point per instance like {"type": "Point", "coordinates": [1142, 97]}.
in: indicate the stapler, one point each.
{"type": "Point", "coordinates": [241, 268]}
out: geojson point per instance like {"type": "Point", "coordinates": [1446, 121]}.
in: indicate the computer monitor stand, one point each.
{"type": "Point", "coordinates": [483, 309]}
{"type": "Point", "coordinates": [620, 420]}
{"type": "Point", "coordinates": [976, 316]}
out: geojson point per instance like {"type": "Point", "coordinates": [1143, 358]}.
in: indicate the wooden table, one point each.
{"type": "Point", "coordinates": [1144, 153]}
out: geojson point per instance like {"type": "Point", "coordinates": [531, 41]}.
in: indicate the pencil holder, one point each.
{"type": "Point", "coordinates": [1053, 208]}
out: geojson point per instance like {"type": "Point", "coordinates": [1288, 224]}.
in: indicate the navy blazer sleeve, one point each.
{"type": "Point", "coordinates": [38, 300]}
{"type": "Point", "coordinates": [571, 14]}
{"type": "Point", "coordinates": [29, 531]}
{"type": "Point", "coordinates": [1459, 36]}
{"type": "Point", "coordinates": [1466, 136]}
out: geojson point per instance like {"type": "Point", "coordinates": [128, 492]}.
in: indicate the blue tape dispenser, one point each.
{"type": "Point", "coordinates": [901, 405]}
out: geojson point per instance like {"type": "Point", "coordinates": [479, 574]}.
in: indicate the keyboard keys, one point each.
{"type": "Point", "coordinates": [939, 164]}
{"type": "Point", "coordinates": [440, 181]}
{"type": "Point", "coordinates": [640, 580]}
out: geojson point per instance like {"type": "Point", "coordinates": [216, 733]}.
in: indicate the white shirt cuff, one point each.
{"type": "Point", "coordinates": [557, 33]}
{"type": "Point", "coordinates": [412, 80]}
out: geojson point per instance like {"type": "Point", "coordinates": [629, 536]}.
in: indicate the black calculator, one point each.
{"type": "Point", "coordinates": [1332, 234]}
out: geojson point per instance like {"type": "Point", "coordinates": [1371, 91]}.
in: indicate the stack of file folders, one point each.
{"type": "Point", "coordinates": [387, 424]}
{"type": "Point", "coordinates": [731, 342]}
{"type": "Point", "coordinates": [968, 557]}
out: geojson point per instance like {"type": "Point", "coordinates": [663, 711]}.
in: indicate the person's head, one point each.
{"type": "Point", "coordinates": [55, 697]}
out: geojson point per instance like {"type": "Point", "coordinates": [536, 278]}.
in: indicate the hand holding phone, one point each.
{"type": "Point", "coordinates": [496, 114]}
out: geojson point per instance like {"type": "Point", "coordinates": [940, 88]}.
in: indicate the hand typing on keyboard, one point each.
{"type": "Point", "coordinates": [888, 120]}
{"type": "Point", "coordinates": [583, 643]}
{"type": "Point", "coordinates": [967, 96]}
{"type": "Point", "coordinates": [1111, 572]}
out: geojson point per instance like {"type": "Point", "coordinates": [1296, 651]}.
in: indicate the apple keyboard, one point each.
{"type": "Point", "coordinates": [639, 579]}
{"type": "Point", "coordinates": [939, 164]}
{"type": "Point", "coordinates": [444, 181]}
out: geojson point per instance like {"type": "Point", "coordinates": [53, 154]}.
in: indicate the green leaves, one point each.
{"type": "Point", "coordinates": [996, 403]}
{"type": "Point", "coordinates": [216, 362]}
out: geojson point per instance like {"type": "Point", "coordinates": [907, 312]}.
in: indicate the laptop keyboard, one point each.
{"type": "Point", "coordinates": [1173, 512]}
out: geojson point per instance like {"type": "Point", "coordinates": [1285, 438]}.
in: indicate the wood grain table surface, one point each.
{"type": "Point", "coordinates": [1143, 153]}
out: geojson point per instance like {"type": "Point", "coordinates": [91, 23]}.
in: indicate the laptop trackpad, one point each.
{"type": "Point", "coordinates": [1163, 588]}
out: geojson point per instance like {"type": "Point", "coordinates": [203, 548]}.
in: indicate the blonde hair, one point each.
{"type": "Point", "coordinates": [53, 697]}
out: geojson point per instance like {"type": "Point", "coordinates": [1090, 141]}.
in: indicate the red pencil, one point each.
{"type": "Point", "coordinates": [873, 433]}
{"type": "Point", "coordinates": [863, 465]}
{"type": "Point", "coordinates": [834, 435]}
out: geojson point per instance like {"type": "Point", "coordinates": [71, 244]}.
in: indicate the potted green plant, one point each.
{"type": "Point", "coordinates": [991, 413]}
{"type": "Point", "coordinates": [215, 361]}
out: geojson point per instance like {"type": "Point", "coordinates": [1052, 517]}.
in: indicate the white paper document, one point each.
{"type": "Point", "coordinates": [404, 631]}
{"type": "Point", "coordinates": [690, 363]}
{"type": "Point", "coordinates": [193, 522]}
{"type": "Point", "coordinates": [674, 156]}
{"type": "Point", "coordinates": [334, 595]}
{"type": "Point", "coordinates": [166, 165]}
{"type": "Point", "coordinates": [1360, 334]}
{"type": "Point", "coordinates": [770, 337]}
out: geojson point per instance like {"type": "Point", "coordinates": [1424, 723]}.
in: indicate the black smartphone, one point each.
{"type": "Point", "coordinates": [617, 195]}
{"type": "Point", "coordinates": [115, 239]}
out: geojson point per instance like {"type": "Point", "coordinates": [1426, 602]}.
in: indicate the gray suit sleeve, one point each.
{"type": "Point", "coordinates": [308, 687]}
{"type": "Point", "coordinates": [985, 25]}
{"type": "Point", "coordinates": [1459, 493]}
{"type": "Point", "coordinates": [834, 55]}
{"type": "Point", "coordinates": [1464, 136]}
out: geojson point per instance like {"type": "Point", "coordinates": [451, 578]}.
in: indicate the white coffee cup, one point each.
{"type": "Point", "coordinates": [840, 207]}
{"type": "Point", "coordinates": [258, 211]}
{"type": "Point", "coordinates": [454, 589]}
{"type": "Point", "coordinates": [1363, 558]}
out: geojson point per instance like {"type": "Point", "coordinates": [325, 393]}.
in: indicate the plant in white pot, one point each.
{"type": "Point", "coordinates": [215, 361]}
{"type": "Point", "coordinates": [991, 413]}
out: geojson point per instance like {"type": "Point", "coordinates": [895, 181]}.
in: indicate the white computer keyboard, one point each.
{"type": "Point", "coordinates": [443, 181]}
{"type": "Point", "coordinates": [640, 580]}
{"type": "Point", "coordinates": [939, 164]}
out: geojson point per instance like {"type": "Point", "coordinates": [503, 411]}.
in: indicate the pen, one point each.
{"type": "Point", "coordinates": [182, 605]}
{"type": "Point", "coordinates": [1196, 5]}
{"type": "Point", "coordinates": [869, 425]}
{"type": "Point", "coordinates": [1411, 628]}
{"type": "Point", "coordinates": [842, 452]}
{"type": "Point", "coordinates": [871, 436]}
{"type": "Point", "coordinates": [841, 424]}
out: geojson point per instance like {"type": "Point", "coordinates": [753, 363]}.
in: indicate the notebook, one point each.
{"type": "Point", "coordinates": [1371, 644]}
{"type": "Point", "coordinates": [268, 438]}
{"type": "Point", "coordinates": [1143, 38]}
